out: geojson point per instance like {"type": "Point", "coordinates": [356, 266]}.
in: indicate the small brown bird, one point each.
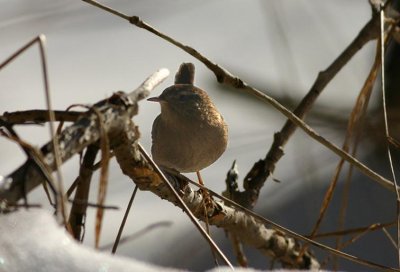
{"type": "Point", "coordinates": [189, 134]}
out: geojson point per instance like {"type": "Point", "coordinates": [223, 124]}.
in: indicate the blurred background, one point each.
{"type": "Point", "coordinates": [276, 46]}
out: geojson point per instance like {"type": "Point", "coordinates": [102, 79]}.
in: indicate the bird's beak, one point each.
{"type": "Point", "coordinates": [155, 99]}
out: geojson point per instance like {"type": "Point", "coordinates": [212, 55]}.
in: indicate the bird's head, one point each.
{"type": "Point", "coordinates": [183, 99]}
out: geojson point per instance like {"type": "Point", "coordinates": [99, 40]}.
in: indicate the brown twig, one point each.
{"type": "Point", "coordinates": [105, 157]}
{"type": "Point", "coordinates": [78, 209]}
{"type": "Point", "coordinates": [121, 227]}
{"type": "Point", "coordinates": [39, 116]}
{"type": "Point", "coordinates": [54, 140]}
{"type": "Point", "coordinates": [394, 142]}
{"type": "Point", "coordinates": [35, 160]}
{"type": "Point", "coordinates": [390, 238]}
{"type": "Point", "coordinates": [373, 227]}
{"type": "Point", "coordinates": [354, 239]}
{"type": "Point", "coordinates": [138, 234]}
{"type": "Point", "coordinates": [41, 40]}
{"type": "Point", "coordinates": [94, 205]}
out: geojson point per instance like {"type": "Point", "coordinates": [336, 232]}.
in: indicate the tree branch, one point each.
{"type": "Point", "coordinates": [115, 111]}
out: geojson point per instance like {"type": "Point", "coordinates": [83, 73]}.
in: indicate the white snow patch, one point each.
{"type": "Point", "coordinates": [31, 240]}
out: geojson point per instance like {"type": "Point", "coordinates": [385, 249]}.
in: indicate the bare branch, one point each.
{"type": "Point", "coordinates": [78, 210]}
{"type": "Point", "coordinates": [121, 227]}
{"type": "Point", "coordinates": [39, 116]}
{"type": "Point", "coordinates": [75, 138]}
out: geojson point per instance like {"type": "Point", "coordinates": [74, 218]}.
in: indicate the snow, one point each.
{"type": "Point", "coordinates": [31, 240]}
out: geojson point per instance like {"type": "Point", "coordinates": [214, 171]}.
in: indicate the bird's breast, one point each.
{"type": "Point", "coordinates": [188, 145]}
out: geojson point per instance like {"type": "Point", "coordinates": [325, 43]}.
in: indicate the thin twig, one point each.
{"type": "Point", "coordinates": [206, 201]}
{"type": "Point", "coordinates": [18, 52]}
{"type": "Point", "coordinates": [372, 227]}
{"type": "Point", "coordinates": [41, 40]}
{"type": "Point", "coordinates": [207, 225]}
{"type": "Point", "coordinates": [390, 238]}
{"type": "Point", "coordinates": [94, 205]}
{"type": "Point", "coordinates": [138, 234]}
{"type": "Point", "coordinates": [56, 150]}
{"type": "Point", "coordinates": [77, 217]}
{"type": "Point", "coordinates": [31, 153]}
{"type": "Point", "coordinates": [39, 162]}
{"type": "Point", "coordinates": [39, 116]}
{"type": "Point", "coordinates": [352, 240]}
{"type": "Point", "coordinates": [60, 125]}
{"type": "Point", "coordinates": [389, 154]}
{"type": "Point", "coordinates": [105, 157]}
{"type": "Point", "coordinates": [72, 187]}
{"type": "Point", "coordinates": [121, 227]}
{"type": "Point", "coordinates": [394, 142]}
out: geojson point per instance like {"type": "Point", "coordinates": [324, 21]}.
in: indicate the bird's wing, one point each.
{"type": "Point", "coordinates": [155, 129]}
